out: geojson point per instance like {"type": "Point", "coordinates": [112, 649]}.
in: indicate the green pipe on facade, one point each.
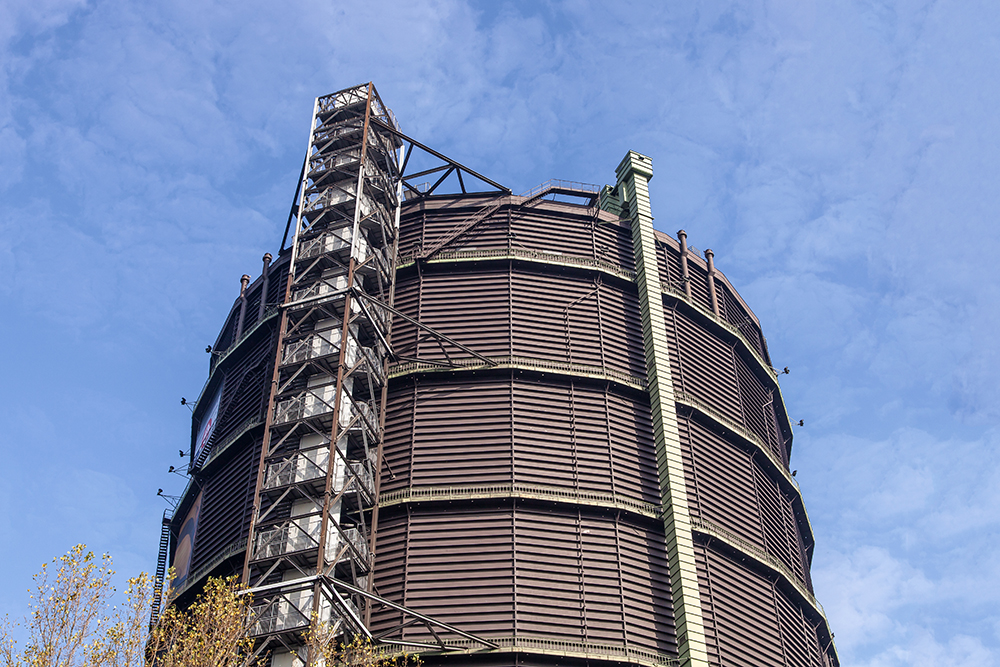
{"type": "Point", "coordinates": [633, 175]}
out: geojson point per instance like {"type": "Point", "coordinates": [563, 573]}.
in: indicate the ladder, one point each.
{"type": "Point", "coordinates": [161, 568]}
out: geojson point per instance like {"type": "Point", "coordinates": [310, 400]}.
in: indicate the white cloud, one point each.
{"type": "Point", "coordinates": [864, 589]}
{"type": "Point", "coordinates": [908, 565]}
{"type": "Point", "coordinates": [839, 157]}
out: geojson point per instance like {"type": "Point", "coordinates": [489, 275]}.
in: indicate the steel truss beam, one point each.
{"type": "Point", "coordinates": [448, 167]}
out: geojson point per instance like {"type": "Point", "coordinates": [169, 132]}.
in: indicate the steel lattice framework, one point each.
{"type": "Point", "coordinates": [316, 484]}
{"type": "Point", "coordinates": [312, 536]}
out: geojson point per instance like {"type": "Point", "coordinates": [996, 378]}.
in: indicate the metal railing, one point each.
{"type": "Point", "coordinates": [526, 254]}
{"type": "Point", "coordinates": [758, 554]}
{"type": "Point", "coordinates": [524, 363]}
{"type": "Point", "coordinates": [341, 238]}
{"type": "Point", "coordinates": [286, 538]}
{"type": "Point", "coordinates": [514, 490]}
{"type": "Point", "coordinates": [281, 614]}
{"type": "Point", "coordinates": [364, 476]}
{"type": "Point", "coordinates": [296, 468]}
{"type": "Point", "coordinates": [556, 183]}
{"type": "Point", "coordinates": [318, 402]}
{"type": "Point", "coordinates": [353, 537]}
{"type": "Point", "coordinates": [574, 649]}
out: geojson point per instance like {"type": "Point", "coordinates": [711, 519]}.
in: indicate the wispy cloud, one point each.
{"type": "Point", "coordinates": [839, 157]}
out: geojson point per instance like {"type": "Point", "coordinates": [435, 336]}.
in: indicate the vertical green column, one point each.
{"type": "Point", "coordinates": [633, 174]}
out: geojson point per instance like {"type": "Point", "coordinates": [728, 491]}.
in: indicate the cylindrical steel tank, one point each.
{"type": "Point", "coordinates": [520, 493]}
{"type": "Point", "coordinates": [585, 451]}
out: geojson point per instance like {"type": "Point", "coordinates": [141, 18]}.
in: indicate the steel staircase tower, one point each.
{"type": "Point", "coordinates": [317, 483]}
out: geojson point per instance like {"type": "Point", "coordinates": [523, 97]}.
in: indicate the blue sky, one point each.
{"type": "Point", "coordinates": [841, 158]}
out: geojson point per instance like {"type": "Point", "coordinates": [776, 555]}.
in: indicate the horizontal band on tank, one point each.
{"type": "Point", "coordinates": [523, 254]}
{"type": "Point", "coordinates": [234, 549]}
{"type": "Point", "coordinates": [557, 647]}
{"type": "Point", "coordinates": [526, 491]}
{"type": "Point", "coordinates": [269, 314]}
{"type": "Point", "coordinates": [219, 448]}
{"type": "Point", "coordinates": [761, 557]}
{"type": "Point", "coordinates": [522, 363]}
{"type": "Point", "coordinates": [709, 316]}
{"type": "Point", "coordinates": [723, 423]}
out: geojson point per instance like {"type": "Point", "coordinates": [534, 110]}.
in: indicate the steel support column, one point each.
{"type": "Point", "coordinates": [633, 174]}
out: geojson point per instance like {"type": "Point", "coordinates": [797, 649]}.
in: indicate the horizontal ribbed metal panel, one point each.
{"type": "Point", "coordinates": [559, 228]}
{"type": "Point", "coordinates": [571, 435]}
{"type": "Point", "coordinates": [511, 310]}
{"type": "Point", "coordinates": [519, 571]}
{"type": "Point", "coordinates": [749, 619]}
{"type": "Point", "coordinates": [226, 506]}
{"type": "Point", "coordinates": [705, 365]}
{"type": "Point", "coordinates": [518, 496]}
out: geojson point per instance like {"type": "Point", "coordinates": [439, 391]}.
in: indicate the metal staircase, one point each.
{"type": "Point", "coordinates": [318, 477]}
{"type": "Point", "coordinates": [161, 568]}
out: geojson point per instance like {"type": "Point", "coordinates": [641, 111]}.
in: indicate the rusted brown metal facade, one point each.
{"type": "Point", "coordinates": [578, 448]}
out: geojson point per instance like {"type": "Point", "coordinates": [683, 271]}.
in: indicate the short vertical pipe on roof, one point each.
{"type": "Point", "coordinates": [263, 288]}
{"type": "Point", "coordinates": [709, 255]}
{"type": "Point", "coordinates": [682, 236]}
{"type": "Point", "coordinates": [244, 281]}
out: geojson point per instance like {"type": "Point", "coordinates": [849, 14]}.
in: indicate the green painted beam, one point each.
{"type": "Point", "coordinates": [633, 175]}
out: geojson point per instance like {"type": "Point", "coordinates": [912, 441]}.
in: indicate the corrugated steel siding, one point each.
{"type": "Point", "coordinates": [473, 309]}
{"type": "Point", "coordinates": [728, 487]}
{"type": "Point", "coordinates": [228, 483]}
{"type": "Point", "coordinates": [759, 409]}
{"type": "Point", "coordinates": [461, 434]}
{"type": "Point", "coordinates": [751, 620]}
{"type": "Point", "coordinates": [569, 435]}
{"type": "Point", "coordinates": [522, 571]}
{"type": "Point", "coordinates": [742, 608]}
{"type": "Point", "coordinates": [243, 395]}
{"type": "Point", "coordinates": [505, 566]}
{"type": "Point", "coordinates": [705, 365]}
{"type": "Point", "coordinates": [733, 312]}
{"type": "Point", "coordinates": [499, 311]}
{"type": "Point", "coordinates": [556, 228]}
{"type": "Point", "coordinates": [226, 506]}
{"type": "Point", "coordinates": [613, 243]}
{"type": "Point", "coordinates": [721, 482]}
{"type": "Point", "coordinates": [668, 261]}
{"type": "Point", "coordinates": [523, 283]}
